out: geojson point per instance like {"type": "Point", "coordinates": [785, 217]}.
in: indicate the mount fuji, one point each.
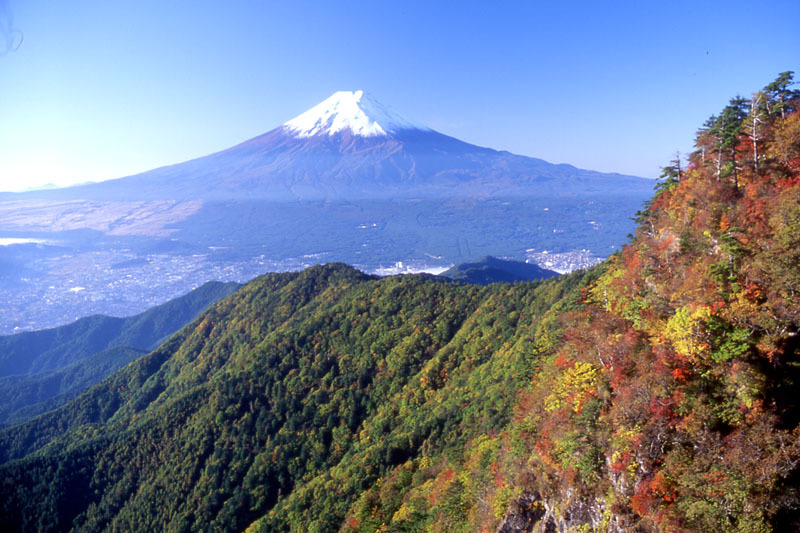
{"type": "Point", "coordinates": [350, 147]}
{"type": "Point", "coordinates": [349, 180]}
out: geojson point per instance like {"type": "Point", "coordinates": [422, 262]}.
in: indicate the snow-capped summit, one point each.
{"type": "Point", "coordinates": [352, 147]}
{"type": "Point", "coordinates": [349, 110]}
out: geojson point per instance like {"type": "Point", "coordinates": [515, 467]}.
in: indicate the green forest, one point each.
{"type": "Point", "coordinates": [42, 370]}
{"type": "Point", "coordinates": [658, 391]}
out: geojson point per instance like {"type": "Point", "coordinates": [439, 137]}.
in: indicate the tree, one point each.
{"type": "Point", "coordinates": [779, 96]}
{"type": "Point", "coordinates": [755, 122]}
{"type": "Point", "coordinates": [726, 130]}
{"type": "Point", "coordinates": [673, 172]}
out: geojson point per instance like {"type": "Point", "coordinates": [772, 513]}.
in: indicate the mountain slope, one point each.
{"type": "Point", "coordinates": [24, 396]}
{"type": "Point", "coordinates": [297, 373]}
{"type": "Point", "coordinates": [667, 400]}
{"type": "Point", "coordinates": [41, 370]}
{"type": "Point", "coordinates": [51, 349]}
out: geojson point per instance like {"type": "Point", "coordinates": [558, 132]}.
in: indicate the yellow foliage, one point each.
{"type": "Point", "coordinates": [602, 293]}
{"type": "Point", "coordinates": [402, 513]}
{"type": "Point", "coordinates": [685, 330]}
{"type": "Point", "coordinates": [424, 462]}
{"type": "Point", "coordinates": [573, 386]}
{"type": "Point", "coordinates": [787, 138]}
{"type": "Point", "coordinates": [501, 500]}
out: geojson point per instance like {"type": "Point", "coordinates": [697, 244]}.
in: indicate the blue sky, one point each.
{"type": "Point", "coordinates": [100, 89]}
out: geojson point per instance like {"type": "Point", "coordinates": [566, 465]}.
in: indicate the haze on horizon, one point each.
{"type": "Point", "coordinates": [97, 91]}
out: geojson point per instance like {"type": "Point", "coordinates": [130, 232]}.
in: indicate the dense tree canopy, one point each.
{"type": "Point", "coordinates": [672, 395]}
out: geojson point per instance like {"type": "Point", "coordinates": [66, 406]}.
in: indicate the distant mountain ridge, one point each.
{"type": "Point", "coordinates": [493, 270]}
{"type": "Point", "coordinates": [25, 396]}
{"type": "Point", "coordinates": [40, 370]}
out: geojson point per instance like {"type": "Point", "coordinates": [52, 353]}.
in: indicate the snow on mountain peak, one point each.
{"type": "Point", "coordinates": [348, 110]}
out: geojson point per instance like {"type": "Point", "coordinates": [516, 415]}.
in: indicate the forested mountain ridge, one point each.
{"type": "Point", "coordinates": [676, 387]}
{"type": "Point", "coordinates": [493, 270]}
{"type": "Point", "coordinates": [656, 392]}
{"type": "Point", "coordinates": [50, 349]}
{"type": "Point", "coordinates": [294, 379]}
{"type": "Point", "coordinates": [669, 401]}
{"type": "Point", "coordinates": [41, 370]}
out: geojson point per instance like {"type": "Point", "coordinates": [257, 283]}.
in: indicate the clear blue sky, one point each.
{"type": "Point", "coordinates": [102, 89]}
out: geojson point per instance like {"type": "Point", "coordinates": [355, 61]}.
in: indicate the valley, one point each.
{"type": "Point", "coordinates": [121, 262]}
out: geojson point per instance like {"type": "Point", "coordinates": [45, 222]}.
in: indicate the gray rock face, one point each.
{"type": "Point", "coordinates": [524, 514]}
{"type": "Point", "coordinates": [531, 513]}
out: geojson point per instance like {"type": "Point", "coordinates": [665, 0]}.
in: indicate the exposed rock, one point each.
{"type": "Point", "coordinates": [530, 513]}
{"type": "Point", "coordinates": [523, 514]}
